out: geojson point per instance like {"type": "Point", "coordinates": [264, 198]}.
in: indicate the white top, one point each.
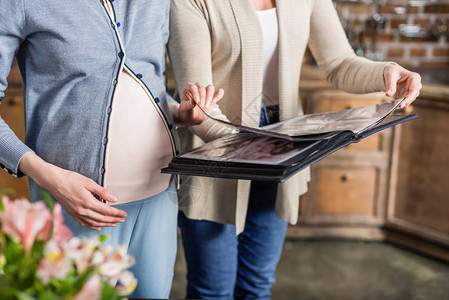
{"type": "Point", "coordinates": [138, 143]}
{"type": "Point", "coordinates": [269, 23]}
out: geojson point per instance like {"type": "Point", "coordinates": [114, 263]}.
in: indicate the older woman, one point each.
{"type": "Point", "coordinates": [233, 230]}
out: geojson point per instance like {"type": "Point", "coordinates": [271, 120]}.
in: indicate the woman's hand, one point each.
{"type": "Point", "coordinates": [74, 192]}
{"type": "Point", "coordinates": [402, 83]}
{"type": "Point", "coordinates": [196, 96]}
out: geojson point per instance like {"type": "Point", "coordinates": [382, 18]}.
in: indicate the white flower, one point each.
{"type": "Point", "coordinates": [56, 264]}
{"type": "Point", "coordinates": [112, 261]}
{"type": "Point", "coordinates": [81, 250]}
{"type": "Point", "coordinates": [126, 283]}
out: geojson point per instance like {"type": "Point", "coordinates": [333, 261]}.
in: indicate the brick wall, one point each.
{"type": "Point", "coordinates": [406, 32]}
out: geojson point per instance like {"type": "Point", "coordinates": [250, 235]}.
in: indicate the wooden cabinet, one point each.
{"type": "Point", "coordinates": [392, 186]}
{"type": "Point", "coordinates": [12, 112]}
{"type": "Point", "coordinates": [348, 191]}
{"type": "Point", "coordinates": [418, 210]}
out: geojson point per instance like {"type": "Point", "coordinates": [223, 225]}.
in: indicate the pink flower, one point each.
{"type": "Point", "coordinates": [23, 221]}
{"type": "Point", "coordinates": [44, 234]}
{"type": "Point", "coordinates": [112, 261]}
{"type": "Point", "coordinates": [56, 263]}
{"type": "Point", "coordinates": [60, 231]}
{"type": "Point", "coordinates": [91, 290]}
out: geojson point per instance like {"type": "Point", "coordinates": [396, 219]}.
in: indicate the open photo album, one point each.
{"type": "Point", "coordinates": [278, 151]}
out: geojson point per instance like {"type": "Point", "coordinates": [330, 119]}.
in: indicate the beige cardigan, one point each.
{"type": "Point", "coordinates": [220, 42]}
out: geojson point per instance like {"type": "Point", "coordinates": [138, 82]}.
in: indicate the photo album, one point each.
{"type": "Point", "coordinates": [278, 151]}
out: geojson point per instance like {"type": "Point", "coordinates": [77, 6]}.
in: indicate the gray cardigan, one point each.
{"type": "Point", "coordinates": [220, 42]}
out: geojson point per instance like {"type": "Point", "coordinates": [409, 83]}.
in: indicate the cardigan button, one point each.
{"type": "Point", "coordinates": [156, 100]}
{"type": "Point", "coordinates": [121, 54]}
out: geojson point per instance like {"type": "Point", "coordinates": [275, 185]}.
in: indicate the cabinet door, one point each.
{"type": "Point", "coordinates": [12, 111]}
{"type": "Point", "coordinates": [419, 198]}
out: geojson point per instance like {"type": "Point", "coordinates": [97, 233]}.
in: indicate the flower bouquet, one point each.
{"type": "Point", "coordinates": [40, 259]}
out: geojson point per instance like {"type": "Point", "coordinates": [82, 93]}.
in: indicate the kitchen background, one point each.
{"type": "Point", "coordinates": [411, 33]}
{"type": "Point", "coordinates": [375, 222]}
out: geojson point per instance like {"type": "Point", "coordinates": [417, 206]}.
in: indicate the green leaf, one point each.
{"type": "Point", "coordinates": [3, 283]}
{"type": "Point", "coordinates": [109, 293]}
{"type": "Point", "coordinates": [13, 252]}
{"type": "Point", "coordinates": [79, 282]}
{"type": "Point", "coordinates": [103, 238]}
{"type": "Point", "coordinates": [19, 268]}
{"type": "Point", "coordinates": [67, 286]}
{"type": "Point", "coordinates": [48, 199]}
{"type": "Point", "coordinates": [24, 296]}
{"type": "Point", "coordinates": [39, 287]}
{"type": "Point", "coordinates": [37, 252]}
{"type": "Point", "coordinates": [49, 295]}
{"type": "Point", "coordinates": [9, 293]}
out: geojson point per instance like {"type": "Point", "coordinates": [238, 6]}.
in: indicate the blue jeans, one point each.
{"type": "Point", "coordinates": [150, 233]}
{"type": "Point", "coordinates": [222, 265]}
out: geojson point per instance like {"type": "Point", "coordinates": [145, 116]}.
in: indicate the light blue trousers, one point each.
{"type": "Point", "coordinates": [150, 233]}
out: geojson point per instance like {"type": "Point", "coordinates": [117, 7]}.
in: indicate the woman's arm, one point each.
{"type": "Point", "coordinates": [334, 55]}
{"type": "Point", "coordinates": [346, 71]}
{"type": "Point", "coordinates": [189, 48]}
{"type": "Point", "coordinates": [74, 192]}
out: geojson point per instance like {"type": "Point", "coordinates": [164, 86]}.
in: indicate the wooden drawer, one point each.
{"type": "Point", "coordinates": [345, 191]}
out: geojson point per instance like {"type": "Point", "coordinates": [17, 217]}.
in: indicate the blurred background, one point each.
{"type": "Point", "coordinates": [375, 222]}
{"type": "Point", "coordinates": [413, 33]}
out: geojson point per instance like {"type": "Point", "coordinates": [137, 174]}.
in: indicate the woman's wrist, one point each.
{"type": "Point", "coordinates": [36, 168]}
